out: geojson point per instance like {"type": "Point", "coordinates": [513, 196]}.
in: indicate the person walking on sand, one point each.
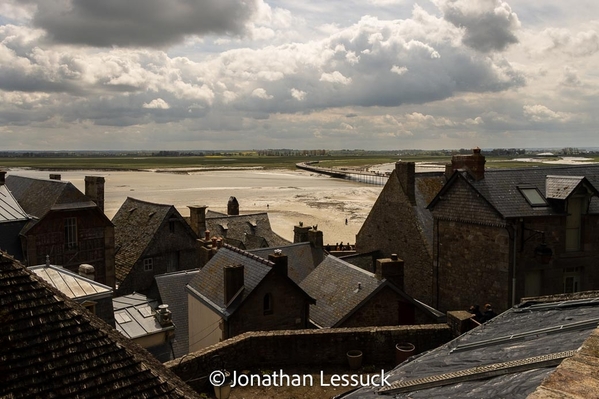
{"type": "Point", "coordinates": [346, 221]}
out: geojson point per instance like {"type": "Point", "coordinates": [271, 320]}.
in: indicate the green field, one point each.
{"type": "Point", "coordinates": [213, 161]}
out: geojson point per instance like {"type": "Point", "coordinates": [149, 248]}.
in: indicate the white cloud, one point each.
{"type": "Point", "coordinates": [399, 70]}
{"type": "Point", "coordinates": [335, 77]}
{"type": "Point", "coordinates": [299, 95]}
{"type": "Point", "coordinates": [157, 103]}
{"type": "Point", "coordinates": [540, 113]}
{"type": "Point", "coordinates": [261, 93]}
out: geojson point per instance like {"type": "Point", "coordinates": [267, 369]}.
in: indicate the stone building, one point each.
{"type": "Point", "coordinates": [151, 239]}
{"type": "Point", "coordinates": [68, 226]}
{"type": "Point", "coordinates": [500, 235]}
{"type": "Point", "coordinates": [399, 223]}
{"type": "Point", "coordinates": [236, 292]}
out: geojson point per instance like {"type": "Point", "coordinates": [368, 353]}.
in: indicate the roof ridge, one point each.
{"type": "Point", "coordinates": [42, 179]}
{"type": "Point", "coordinates": [148, 202]}
{"type": "Point", "coordinates": [248, 255]}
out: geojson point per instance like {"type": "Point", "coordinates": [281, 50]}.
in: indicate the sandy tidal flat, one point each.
{"type": "Point", "coordinates": [288, 196]}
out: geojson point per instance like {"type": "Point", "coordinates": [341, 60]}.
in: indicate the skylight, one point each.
{"type": "Point", "coordinates": [533, 196]}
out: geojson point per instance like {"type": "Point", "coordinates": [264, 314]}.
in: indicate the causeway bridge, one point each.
{"type": "Point", "coordinates": [378, 179]}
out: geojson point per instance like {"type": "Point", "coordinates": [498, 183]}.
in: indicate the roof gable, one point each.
{"type": "Point", "coordinates": [39, 196]}
{"type": "Point", "coordinates": [253, 230]}
{"type": "Point", "coordinates": [208, 284]}
{"type": "Point", "coordinates": [339, 288]}
{"type": "Point", "coordinates": [57, 348]}
{"type": "Point", "coordinates": [135, 224]}
{"type": "Point", "coordinates": [301, 258]}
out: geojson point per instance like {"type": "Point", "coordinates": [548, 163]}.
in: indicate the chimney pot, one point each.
{"type": "Point", "coordinates": [207, 235]}
{"type": "Point", "coordinates": [391, 270]}
{"type": "Point", "coordinates": [87, 271]}
{"type": "Point", "coordinates": [232, 207]}
{"type": "Point", "coordinates": [164, 315]}
{"type": "Point", "coordinates": [393, 256]}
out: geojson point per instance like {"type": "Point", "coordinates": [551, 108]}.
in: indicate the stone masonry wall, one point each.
{"type": "Point", "coordinates": [310, 348]}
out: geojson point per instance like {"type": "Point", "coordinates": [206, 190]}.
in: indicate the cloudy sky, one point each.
{"type": "Point", "coordinates": [310, 74]}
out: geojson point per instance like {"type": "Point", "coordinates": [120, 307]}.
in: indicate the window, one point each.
{"type": "Point", "coordinates": [171, 226]}
{"type": "Point", "coordinates": [148, 265]}
{"type": "Point", "coordinates": [533, 196]}
{"type": "Point", "coordinates": [571, 280]}
{"type": "Point", "coordinates": [90, 306]}
{"type": "Point", "coordinates": [267, 304]}
{"type": "Point", "coordinates": [70, 232]}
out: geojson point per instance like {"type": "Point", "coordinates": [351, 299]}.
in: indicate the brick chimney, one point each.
{"type": "Point", "coordinates": [406, 172]}
{"type": "Point", "coordinates": [2, 177]}
{"type": "Point", "coordinates": [197, 219]}
{"type": "Point", "coordinates": [474, 164]}
{"type": "Point", "coordinates": [300, 233]}
{"type": "Point", "coordinates": [392, 270]}
{"type": "Point", "coordinates": [87, 271]}
{"type": "Point", "coordinates": [280, 261]}
{"type": "Point", "coordinates": [55, 176]}
{"type": "Point", "coordinates": [233, 279]}
{"type": "Point", "coordinates": [232, 207]}
{"type": "Point", "coordinates": [94, 189]}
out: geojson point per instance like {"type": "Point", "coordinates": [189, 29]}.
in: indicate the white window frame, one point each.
{"type": "Point", "coordinates": [148, 264]}
{"type": "Point", "coordinates": [70, 232]}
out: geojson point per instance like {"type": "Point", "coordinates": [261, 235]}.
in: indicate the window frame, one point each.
{"type": "Point", "coordinates": [531, 201]}
{"type": "Point", "coordinates": [267, 304]}
{"type": "Point", "coordinates": [148, 264]}
{"type": "Point", "coordinates": [70, 232]}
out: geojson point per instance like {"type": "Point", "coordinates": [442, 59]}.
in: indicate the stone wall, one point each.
{"type": "Point", "coordinates": [310, 348]}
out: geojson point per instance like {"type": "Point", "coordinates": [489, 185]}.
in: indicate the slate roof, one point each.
{"type": "Point", "coordinates": [252, 230]}
{"type": "Point", "coordinates": [39, 196]}
{"type": "Point", "coordinates": [135, 224]}
{"type": "Point", "coordinates": [171, 287]}
{"type": "Point", "coordinates": [560, 187]}
{"type": "Point", "coordinates": [500, 187]}
{"type": "Point", "coordinates": [302, 258]}
{"type": "Point", "coordinates": [341, 288]}
{"type": "Point", "coordinates": [208, 284]}
{"type": "Point", "coordinates": [502, 358]}
{"type": "Point", "coordinates": [10, 210]}
{"type": "Point", "coordinates": [71, 284]}
{"type": "Point", "coordinates": [50, 346]}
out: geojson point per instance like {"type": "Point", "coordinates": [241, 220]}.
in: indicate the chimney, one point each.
{"type": "Point", "coordinates": [406, 174]}
{"type": "Point", "coordinates": [232, 207]}
{"type": "Point", "coordinates": [197, 219]}
{"type": "Point", "coordinates": [392, 270]}
{"type": "Point", "coordinates": [2, 177]}
{"type": "Point", "coordinates": [87, 271]}
{"type": "Point", "coordinates": [233, 278]}
{"type": "Point", "coordinates": [474, 164]}
{"type": "Point", "coordinates": [94, 189]}
{"type": "Point", "coordinates": [164, 316]}
{"type": "Point", "coordinates": [300, 233]}
{"type": "Point", "coordinates": [315, 237]}
{"type": "Point", "coordinates": [280, 261]}
{"type": "Point", "coordinates": [55, 176]}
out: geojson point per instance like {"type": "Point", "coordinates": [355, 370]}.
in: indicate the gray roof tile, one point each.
{"type": "Point", "coordinates": [334, 285]}
{"type": "Point", "coordinates": [208, 284]}
{"type": "Point", "coordinates": [172, 292]}
{"type": "Point", "coordinates": [253, 230]}
{"type": "Point", "coordinates": [53, 347]}
{"type": "Point", "coordinates": [302, 258]}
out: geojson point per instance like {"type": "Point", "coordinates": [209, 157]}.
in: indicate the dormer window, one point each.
{"type": "Point", "coordinates": [533, 196]}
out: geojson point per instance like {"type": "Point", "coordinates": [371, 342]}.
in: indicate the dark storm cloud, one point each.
{"type": "Point", "coordinates": [135, 23]}
{"type": "Point", "coordinates": [489, 24]}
